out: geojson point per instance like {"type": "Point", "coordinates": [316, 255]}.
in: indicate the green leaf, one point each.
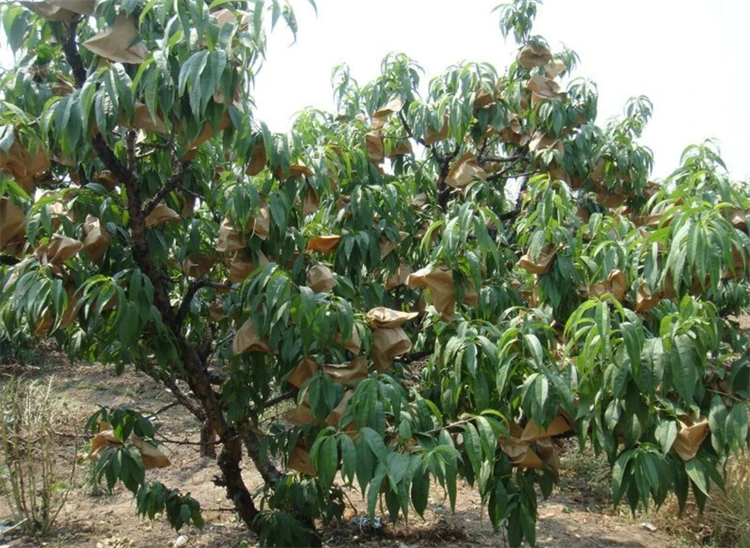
{"type": "Point", "coordinates": [684, 362]}
{"type": "Point", "coordinates": [376, 444]}
{"type": "Point", "coordinates": [328, 458]}
{"type": "Point", "coordinates": [697, 473]}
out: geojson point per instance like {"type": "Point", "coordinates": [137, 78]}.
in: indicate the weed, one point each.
{"type": "Point", "coordinates": [37, 470]}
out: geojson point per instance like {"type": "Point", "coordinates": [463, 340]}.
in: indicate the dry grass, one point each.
{"type": "Point", "coordinates": [730, 511]}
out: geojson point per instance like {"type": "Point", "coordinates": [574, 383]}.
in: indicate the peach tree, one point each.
{"type": "Point", "coordinates": [443, 280]}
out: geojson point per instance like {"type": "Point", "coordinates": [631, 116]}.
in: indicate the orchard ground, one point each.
{"type": "Point", "coordinates": [579, 512]}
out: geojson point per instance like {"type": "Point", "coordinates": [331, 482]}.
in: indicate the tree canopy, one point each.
{"type": "Point", "coordinates": [447, 280]}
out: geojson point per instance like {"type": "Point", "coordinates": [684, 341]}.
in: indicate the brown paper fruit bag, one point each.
{"type": "Point", "coordinates": [304, 370]}
{"type": "Point", "coordinates": [320, 279]}
{"type": "Point", "coordinates": [387, 344]}
{"type": "Point", "coordinates": [12, 222]}
{"type": "Point", "coordinates": [118, 43]}
{"type": "Point", "coordinates": [58, 249]}
{"type": "Point", "coordinates": [311, 203]}
{"type": "Point", "coordinates": [261, 222]}
{"type": "Point", "coordinates": [542, 264]}
{"type": "Point", "coordinates": [323, 244]}
{"type": "Point", "coordinates": [160, 215]}
{"type": "Point", "coordinates": [247, 340]}
{"type": "Point", "coordinates": [257, 160]}
{"type": "Point", "coordinates": [534, 54]}
{"type": "Point", "coordinates": [97, 238]}
{"type": "Point", "coordinates": [464, 171]}
{"type": "Point", "coordinates": [197, 265]}
{"type": "Point", "coordinates": [439, 280]}
{"type": "Point", "coordinates": [299, 460]}
{"type": "Point", "coordinates": [334, 418]}
{"type": "Point", "coordinates": [533, 432]}
{"type": "Point", "coordinates": [348, 374]}
{"type": "Point", "coordinates": [240, 268]}
{"type": "Point", "coordinates": [354, 344]}
{"type": "Point", "coordinates": [382, 317]}
{"type": "Point", "coordinates": [230, 239]}
{"type": "Point", "coordinates": [375, 147]}
{"type": "Point", "coordinates": [689, 438]}
{"type": "Point", "coordinates": [398, 278]}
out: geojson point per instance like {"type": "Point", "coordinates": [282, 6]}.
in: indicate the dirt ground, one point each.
{"type": "Point", "coordinates": [577, 514]}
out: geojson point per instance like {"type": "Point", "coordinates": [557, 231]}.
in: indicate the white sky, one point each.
{"type": "Point", "coordinates": [690, 57]}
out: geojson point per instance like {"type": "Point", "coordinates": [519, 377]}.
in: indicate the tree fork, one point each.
{"type": "Point", "coordinates": [197, 376]}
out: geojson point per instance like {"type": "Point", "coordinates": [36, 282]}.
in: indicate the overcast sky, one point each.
{"type": "Point", "coordinates": [689, 56]}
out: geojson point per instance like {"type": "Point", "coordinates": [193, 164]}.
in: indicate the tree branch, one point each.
{"type": "Point", "coordinates": [172, 184]}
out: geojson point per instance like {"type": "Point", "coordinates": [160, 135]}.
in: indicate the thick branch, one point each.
{"type": "Point", "coordinates": [500, 159]}
{"type": "Point", "coordinates": [70, 48]}
{"type": "Point", "coordinates": [174, 183]}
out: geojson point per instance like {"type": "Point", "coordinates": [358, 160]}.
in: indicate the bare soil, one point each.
{"type": "Point", "coordinates": [577, 514]}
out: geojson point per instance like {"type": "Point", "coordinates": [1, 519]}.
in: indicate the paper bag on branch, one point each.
{"type": "Point", "coordinates": [543, 88]}
{"type": "Point", "coordinates": [257, 159]}
{"type": "Point", "coordinates": [12, 222]}
{"type": "Point", "coordinates": [439, 280]}
{"type": "Point", "coordinates": [738, 219]}
{"type": "Point", "coordinates": [142, 119]}
{"type": "Point", "coordinates": [348, 374]}
{"type": "Point", "coordinates": [262, 221]}
{"type": "Point", "coordinates": [230, 239]}
{"type": "Point", "coordinates": [419, 201]}
{"type": "Point", "coordinates": [644, 300]}
{"type": "Point", "coordinates": [160, 215]}
{"type": "Point", "coordinates": [82, 7]}
{"type": "Point", "coordinates": [117, 42]}
{"type": "Point", "coordinates": [380, 116]}
{"type": "Point", "coordinates": [386, 245]}
{"type": "Point", "coordinates": [323, 244]}
{"type": "Point", "coordinates": [49, 11]}
{"type": "Point", "coordinates": [549, 454]}
{"type": "Point", "coordinates": [334, 418]}
{"type": "Point", "coordinates": [387, 344]}
{"type": "Point", "coordinates": [555, 68]}
{"type": "Point", "coordinates": [23, 167]}
{"type": "Point", "coordinates": [464, 171]}
{"type": "Point", "coordinates": [106, 179]}
{"type": "Point", "coordinates": [541, 141]}
{"type": "Point", "coordinates": [399, 147]}
{"type": "Point", "coordinates": [240, 269]}
{"type": "Point", "coordinates": [247, 340]}
{"type": "Point", "coordinates": [689, 439]}
{"type": "Point", "coordinates": [97, 238]}
{"type": "Point", "coordinates": [616, 284]}
{"type": "Point", "coordinates": [299, 460]}
{"type": "Point", "coordinates": [216, 312]}
{"type": "Point", "coordinates": [533, 432]}
{"type": "Point", "coordinates": [206, 134]}
{"type": "Point", "coordinates": [311, 203]}
{"type": "Point", "coordinates": [375, 147]}
{"type": "Point", "coordinates": [398, 278]}
{"type": "Point", "coordinates": [482, 98]}
{"type": "Point", "coordinates": [353, 345]}
{"type": "Point", "coordinates": [382, 317]}
{"type": "Point", "coordinates": [187, 204]}
{"type": "Point", "coordinates": [304, 370]}
{"type": "Point", "coordinates": [542, 264]}
{"type": "Point", "coordinates": [320, 279]}
{"type": "Point", "coordinates": [197, 265]}
{"type": "Point", "coordinates": [58, 249]}
{"type": "Point", "coordinates": [521, 454]}
{"type": "Point", "coordinates": [150, 454]}
{"type": "Point", "coordinates": [534, 54]}
{"type": "Point", "coordinates": [513, 132]}
{"type": "Point", "coordinates": [300, 415]}
{"type": "Point", "coordinates": [433, 136]}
